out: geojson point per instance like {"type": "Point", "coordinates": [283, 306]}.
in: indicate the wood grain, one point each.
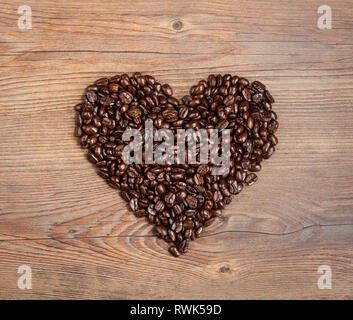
{"type": "Point", "coordinates": [60, 218]}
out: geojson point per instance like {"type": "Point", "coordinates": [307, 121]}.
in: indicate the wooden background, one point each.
{"type": "Point", "coordinates": [61, 219]}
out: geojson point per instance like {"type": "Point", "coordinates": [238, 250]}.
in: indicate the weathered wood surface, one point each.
{"type": "Point", "coordinates": [60, 218]}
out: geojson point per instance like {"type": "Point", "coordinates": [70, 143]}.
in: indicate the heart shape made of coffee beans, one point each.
{"type": "Point", "coordinates": [179, 199]}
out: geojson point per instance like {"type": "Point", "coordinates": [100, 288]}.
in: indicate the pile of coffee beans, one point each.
{"type": "Point", "coordinates": [179, 199]}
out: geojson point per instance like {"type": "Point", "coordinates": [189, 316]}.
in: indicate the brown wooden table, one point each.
{"type": "Point", "coordinates": [61, 219]}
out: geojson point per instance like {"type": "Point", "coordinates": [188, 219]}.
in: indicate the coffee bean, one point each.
{"type": "Point", "coordinates": [170, 114]}
{"type": "Point", "coordinates": [188, 224]}
{"type": "Point", "coordinates": [242, 138]}
{"type": "Point", "coordinates": [246, 94]}
{"type": "Point", "coordinates": [187, 234]}
{"type": "Point", "coordinates": [161, 231]}
{"type": "Point", "coordinates": [134, 204]}
{"type": "Point", "coordinates": [183, 246]}
{"type": "Point", "coordinates": [167, 90]}
{"type": "Point", "coordinates": [273, 139]}
{"type": "Point", "coordinates": [113, 87]}
{"type": "Point", "coordinates": [169, 198]}
{"type": "Point", "coordinates": [190, 213]}
{"type": "Point", "coordinates": [159, 206]}
{"type": "Point", "coordinates": [251, 179]}
{"type": "Point", "coordinates": [198, 179]}
{"type": "Point", "coordinates": [208, 205]}
{"type": "Point", "coordinates": [191, 201]}
{"type": "Point", "coordinates": [174, 251]}
{"type": "Point", "coordinates": [126, 97]}
{"type": "Point", "coordinates": [222, 125]}
{"type": "Point", "coordinates": [177, 209]}
{"type": "Point", "coordinates": [209, 222]}
{"type": "Point", "coordinates": [198, 232]}
{"type": "Point", "coordinates": [161, 189]}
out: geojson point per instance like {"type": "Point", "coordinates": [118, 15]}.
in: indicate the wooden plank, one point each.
{"type": "Point", "coordinates": [76, 233]}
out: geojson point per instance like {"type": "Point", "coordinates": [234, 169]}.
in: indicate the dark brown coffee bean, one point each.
{"type": "Point", "coordinates": [222, 125]}
{"type": "Point", "coordinates": [174, 251]}
{"type": "Point", "coordinates": [161, 231]}
{"type": "Point", "coordinates": [177, 209]}
{"type": "Point", "coordinates": [125, 97]}
{"type": "Point", "coordinates": [190, 213]}
{"type": "Point", "coordinates": [208, 204]}
{"type": "Point", "coordinates": [141, 213]}
{"type": "Point", "coordinates": [91, 129]}
{"type": "Point", "coordinates": [161, 189]}
{"type": "Point", "coordinates": [205, 214]}
{"type": "Point", "coordinates": [169, 198]}
{"type": "Point", "coordinates": [113, 87]}
{"type": "Point", "coordinates": [183, 246]}
{"type": "Point", "coordinates": [258, 86]}
{"type": "Point", "coordinates": [269, 97]}
{"type": "Point", "coordinates": [134, 204]}
{"type": "Point", "coordinates": [254, 167]}
{"type": "Point", "coordinates": [251, 179]}
{"type": "Point", "coordinates": [187, 234]}
{"type": "Point", "coordinates": [229, 100]}
{"type": "Point", "coordinates": [188, 224]}
{"type": "Point", "coordinates": [198, 179]}
{"type": "Point", "coordinates": [167, 90]}
{"type": "Point", "coordinates": [159, 206]}
{"type": "Point", "coordinates": [217, 196]}
{"type": "Point", "coordinates": [209, 222]}
{"type": "Point", "coordinates": [191, 201]}
{"type": "Point", "coordinates": [242, 138]}
{"type": "Point", "coordinates": [273, 139]}
{"type": "Point", "coordinates": [172, 235]}
{"type": "Point", "coordinates": [170, 114]}
{"type": "Point", "coordinates": [246, 94]}
{"type": "Point", "coordinates": [198, 232]}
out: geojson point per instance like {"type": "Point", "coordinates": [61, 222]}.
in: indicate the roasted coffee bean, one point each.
{"type": "Point", "coordinates": [159, 206]}
{"type": "Point", "coordinates": [191, 201]}
{"type": "Point", "coordinates": [161, 189]}
{"type": "Point", "coordinates": [177, 209]}
{"type": "Point", "coordinates": [222, 125]}
{"type": "Point", "coordinates": [169, 198]}
{"type": "Point", "coordinates": [190, 213]}
{"type": "Point", "coordinates": [183, 246]}
{"type": "Point", "coordinates": [273, 139]}
{"type": "Point", "coordinates": [209, 222]}
{"type": "Point", "coordinates": [167, 90]}
{"type": "Point", "coordinates": [187, 234]}
{"type": "Point", "coordinates": [134, 204]}
{"type": "Point", "coordinates": [251, 179]}
{"type": "Point", "coordinates": [246, 94]}
{"type": "Point", "coordinates": [174, 251]}
{"type": "Point", "coordinates": [188, 224]}
{"type": "Point", "coordinates": [198, 179]}
{"type": "Point", "coordinates": [180, 199]}
{"type": "Point", "coordinates": [113, 87]}
{"type": "Point", "coordinates": [161, 231]}
{"type": "Point", "coordinates": [208, 204]}
{"type": "Point", "coordinates": [140, 213]}
{"type": "Point", "coordinates": [198, 232]}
